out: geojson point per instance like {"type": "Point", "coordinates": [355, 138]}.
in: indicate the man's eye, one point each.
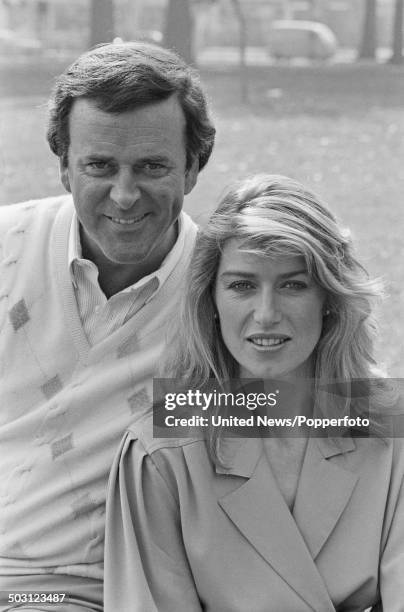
{"type": "Point", "coordinates": [97, 166]}
{"type": "Point", "coordinates": [155, 168]}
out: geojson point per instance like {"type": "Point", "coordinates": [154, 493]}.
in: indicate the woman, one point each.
{"type": "Point", "coordinates": [264, 525]}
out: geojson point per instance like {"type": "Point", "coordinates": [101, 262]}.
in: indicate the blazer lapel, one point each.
{"type": "Point", "coordinates": [323, 492]}
{"type": "Point", "coordinates": [259, 511]}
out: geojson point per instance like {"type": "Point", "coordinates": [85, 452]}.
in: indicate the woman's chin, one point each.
{"type": "Point", "coordinates": [304, 371]}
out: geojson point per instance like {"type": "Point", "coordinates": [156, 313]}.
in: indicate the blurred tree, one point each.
{"type": "Point", "coordinates": [287, 10]}
{"type": "Point", "coordinates": [397, 55]}
{"type": "Point", "coordinates": [242, 45]}
{"type": "Point", "coordinates": [101, 21]}
{"type": "Point", "coordinates": [367, 49]}
{"type": "Point", "coordinates": [179, 28]}
{"type": "Point", "coordinates": [316, 10]}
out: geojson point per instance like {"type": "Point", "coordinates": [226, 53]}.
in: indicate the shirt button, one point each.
{"type": "Point", "coordinates": [97, 309]}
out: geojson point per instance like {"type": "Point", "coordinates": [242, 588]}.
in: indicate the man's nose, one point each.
{"type": "Point", "coordinates": [125, 190]}
{"type": "Point", "coordinates": [267, 309]}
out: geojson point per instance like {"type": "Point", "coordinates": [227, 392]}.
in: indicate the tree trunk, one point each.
{"type": "Point", "coordinates": [287, 10]}
{"type": "Point", "coordinates": [317, 10]}
{"type": "Point", "coordinates": [101, 21]}
{"type": "Point", "coordinates": [242, 46]}
{"type": "Point", "coordinates": [178, 29]}
{"type": "Point", "coordinates": [368, 45]}
{"type": "Point", "coordinates": [397, 56]}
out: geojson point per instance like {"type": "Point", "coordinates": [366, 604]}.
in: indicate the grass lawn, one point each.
{"type": "Point", "coordinates": [339, 129]}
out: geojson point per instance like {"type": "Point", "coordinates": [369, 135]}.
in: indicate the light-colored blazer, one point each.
{"type": "Point", "coordinates": [183, 536]}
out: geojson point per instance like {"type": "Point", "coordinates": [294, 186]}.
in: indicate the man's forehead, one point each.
{"type": "Point", "coordinates": [148, 131]}
{"type": "Point", "coordinates": [159, 109]}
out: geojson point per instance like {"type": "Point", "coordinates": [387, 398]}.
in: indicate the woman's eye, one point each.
{"type": "Point", "coordinates": [294, 284]}
{"type": "Point", "coordinates": [241, 285]}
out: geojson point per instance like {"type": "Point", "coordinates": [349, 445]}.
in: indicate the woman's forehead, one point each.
{"type": "Point", "coordinates": [237, 256]}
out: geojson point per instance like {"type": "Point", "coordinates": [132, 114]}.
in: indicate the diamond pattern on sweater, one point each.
{"type": "Point", "coordinates": [19, 315]}
{"type": "Point", "coordinates": [128, 347]}
{"type": "Point", "coordinates": [139, 401]}
{"type": "Point", "coordinates": [52, 387]}
{"type": "Point", "coordinates": [59, 447]}
{"type": "Point", "coordinates": [84, 505]}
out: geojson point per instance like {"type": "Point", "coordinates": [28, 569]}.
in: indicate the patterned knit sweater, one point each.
{"type": "Point", "coordinates": [64, 405]}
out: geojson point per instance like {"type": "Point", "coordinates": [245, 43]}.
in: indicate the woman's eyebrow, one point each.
{"type": "Point", "coordinates": [238, 273]}
{"type": "Point", "coordinates": [252, 275]}
{"type": "Point", "coordinates": [293, 273]}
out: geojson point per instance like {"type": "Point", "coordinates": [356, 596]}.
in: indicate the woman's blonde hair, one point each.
{"type": "Point", "coordinates": [276, 216]}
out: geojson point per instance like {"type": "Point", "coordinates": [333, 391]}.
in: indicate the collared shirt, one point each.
{"type": "Point", "coordinates": [100, 316]}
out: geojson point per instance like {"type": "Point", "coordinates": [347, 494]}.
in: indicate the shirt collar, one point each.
{"type": "Point", "coordinates": [75, 254]}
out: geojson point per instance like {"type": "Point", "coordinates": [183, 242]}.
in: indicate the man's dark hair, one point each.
{"type": "Point", "coordinates": [120, 77]}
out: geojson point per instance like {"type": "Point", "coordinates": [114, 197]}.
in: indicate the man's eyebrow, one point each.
{"type": "Point", "coordinates": [154, 158]}
{"type": "Point", "coordinates": [252, 275]}
{"type": "Point", "coordinates": [96, 156]}
{"type": "Point", "coordinates": [108, 157]}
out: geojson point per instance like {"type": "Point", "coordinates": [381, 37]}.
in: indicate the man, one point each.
{"type": "Point", "coordinates": [88, 284]}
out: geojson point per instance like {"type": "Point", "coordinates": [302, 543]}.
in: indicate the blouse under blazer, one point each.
{"type": "Point", "coordinates": [184, 536]}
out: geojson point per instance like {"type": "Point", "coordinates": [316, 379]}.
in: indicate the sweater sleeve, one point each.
{"type": "Point", "coordinates": [9, 218]}
{"type": "Point", "coordinates": [146, 568]}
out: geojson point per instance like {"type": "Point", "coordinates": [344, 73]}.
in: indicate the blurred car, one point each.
{"type": "Point", "coordinates": [289, 38]}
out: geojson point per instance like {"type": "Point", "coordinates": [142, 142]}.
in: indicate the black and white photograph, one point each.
{"type": "Point", "coordinates": [201, 306]}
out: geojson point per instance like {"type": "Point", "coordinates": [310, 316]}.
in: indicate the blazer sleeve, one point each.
{"type": "Point", "coordinates": [146, 568]}
{"type": "Point", "coordinates": [392, 559]}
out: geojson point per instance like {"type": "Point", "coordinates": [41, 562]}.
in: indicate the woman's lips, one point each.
{"type": "Point", "coordinates": [268, 341]}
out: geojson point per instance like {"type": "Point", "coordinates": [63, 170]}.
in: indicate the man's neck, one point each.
{"type": "Point", "coordinates": [115, 277]}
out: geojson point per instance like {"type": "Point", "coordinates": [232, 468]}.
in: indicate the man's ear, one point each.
{"type": "Point", "coordinates": [191, 176]}
{"type": "Point", "coordinates": [64, 174]}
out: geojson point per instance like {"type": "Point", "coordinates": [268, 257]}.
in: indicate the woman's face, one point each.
{"type": "Point", "coordinates": [270, 312]}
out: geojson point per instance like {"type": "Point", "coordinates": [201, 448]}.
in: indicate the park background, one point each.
{"type": "Point", "coordinates": [335, 125]}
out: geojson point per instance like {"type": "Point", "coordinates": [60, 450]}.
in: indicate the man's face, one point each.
{"type": "Point", "coordinates": [127, 175]}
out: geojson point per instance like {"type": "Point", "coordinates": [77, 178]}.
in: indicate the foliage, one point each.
{"type": "Point", "coordinates": [337, 128]}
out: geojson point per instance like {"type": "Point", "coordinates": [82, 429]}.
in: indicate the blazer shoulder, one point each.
{"type": "Point", "coordinates": [152, 439]}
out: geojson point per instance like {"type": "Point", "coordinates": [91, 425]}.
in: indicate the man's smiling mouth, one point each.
{"type": "Point", "coordinates": [130, 221]}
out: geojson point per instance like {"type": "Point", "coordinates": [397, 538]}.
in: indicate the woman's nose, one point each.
{"type": "Point", "coordinates": [266, 309]}
{"type": "Point", "coordinates": [125, 191]}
